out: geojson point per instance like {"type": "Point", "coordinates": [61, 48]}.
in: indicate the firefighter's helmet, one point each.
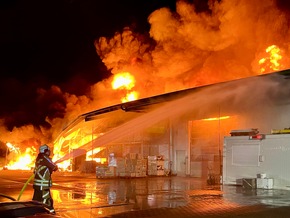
{"type": "Point", "coordinates": [43, 148]}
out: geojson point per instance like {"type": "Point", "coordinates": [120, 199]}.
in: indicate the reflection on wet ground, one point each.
{"type": "Point", "coordinates": [86, 196]}
{"type": "Point", "coordinates": [107, 197]}
{"type": "Point", "coordinates": [118, 195]}
{"type": "Point", "coordinates": [269, 197]}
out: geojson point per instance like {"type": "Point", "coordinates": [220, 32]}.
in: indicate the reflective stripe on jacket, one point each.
{"type": "Point", "coordinates": [42, 172]}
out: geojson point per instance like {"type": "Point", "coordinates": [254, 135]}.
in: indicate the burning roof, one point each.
{"type": "Point", "coordinates": [117, 122]}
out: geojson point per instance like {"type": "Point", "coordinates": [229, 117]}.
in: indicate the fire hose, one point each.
{"type": "Point", "coordinates": [24, 186]}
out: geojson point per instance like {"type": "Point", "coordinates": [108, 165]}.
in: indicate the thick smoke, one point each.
{"type": "Point", "coordinates": [183, 49]}
{"type": "Point", "coordinates": [193, 49]}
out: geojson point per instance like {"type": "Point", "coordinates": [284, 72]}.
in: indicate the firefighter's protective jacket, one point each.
{"type": "Point", "coordinates": [42, 172]}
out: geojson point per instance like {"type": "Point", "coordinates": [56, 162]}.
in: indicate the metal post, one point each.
{"type": "Point", "coordinates": [220, 154]}
{"type": "Point", "coordinates": [170, 147]}
{"type": "Point", "coordinates": [188, 161]}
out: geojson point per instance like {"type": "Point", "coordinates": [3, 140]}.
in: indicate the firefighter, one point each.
{"type": "Point", "coordinates": [42, 177]}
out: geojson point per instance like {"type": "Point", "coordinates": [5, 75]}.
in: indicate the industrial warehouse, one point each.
{"type": "Point", "coordinates": [224, 132]}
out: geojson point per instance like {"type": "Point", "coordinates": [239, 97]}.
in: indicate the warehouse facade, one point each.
{"type": "Point", "coordinates": [183, 130]}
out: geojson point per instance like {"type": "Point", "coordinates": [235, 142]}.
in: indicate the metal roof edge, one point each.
{"type": "Point", "coordinates": [133, 105]}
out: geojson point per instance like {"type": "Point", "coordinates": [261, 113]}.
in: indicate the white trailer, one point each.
{"type": "Point", "coordinates": [266, 158]}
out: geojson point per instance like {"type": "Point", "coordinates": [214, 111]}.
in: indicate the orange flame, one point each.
{"type": "Point", "coordinates": [125, 81]}
{"type": "Point", "coordinates": [12, 148]}
{"type": "Point", "coordinates": [20, 161]}
{"type": "Point", "coordinates": [72, 141]}
{"type": "Point", "coordinates": [217, 118]}
{"type": "Point", "coordinates": [272, 61]}
{"type": "Point", "coordinates": [131, 96]}
{"type": "Point", "coordinates": [90, 155]}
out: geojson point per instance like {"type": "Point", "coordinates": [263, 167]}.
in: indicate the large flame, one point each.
{"type": "Point", "coordinates": [19, 160]}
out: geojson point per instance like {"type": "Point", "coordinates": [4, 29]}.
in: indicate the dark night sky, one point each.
{"type": "Point", "coordinates": [51, 42]}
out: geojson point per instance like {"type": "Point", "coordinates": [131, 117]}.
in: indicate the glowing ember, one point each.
{"type": "Point", "coordinates": [271, 62]}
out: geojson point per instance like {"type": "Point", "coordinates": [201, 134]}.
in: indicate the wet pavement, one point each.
{"type": "Point", "coordinates": [83, 195]}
